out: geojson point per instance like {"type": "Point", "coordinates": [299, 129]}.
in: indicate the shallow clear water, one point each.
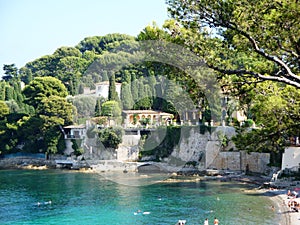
{"type": "Point", "coordinates": [80, 198]}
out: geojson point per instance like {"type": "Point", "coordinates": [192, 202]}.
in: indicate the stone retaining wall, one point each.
{"type": "Point", "coordinates": [15, 163]}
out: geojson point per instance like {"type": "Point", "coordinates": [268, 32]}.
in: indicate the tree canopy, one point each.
{"type": "Point", "coordinates": [43, 87]}
{"type": "Point", "coordinates": [275, 110]}
{"type": "Point", "coordinates": [260, 39]}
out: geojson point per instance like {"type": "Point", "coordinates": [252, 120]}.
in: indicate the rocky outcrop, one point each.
{"type": "Point", "coordinates": [192, 147]}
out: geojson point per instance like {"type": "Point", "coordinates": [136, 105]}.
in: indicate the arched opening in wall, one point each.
{"type": "Point", "coordinates": [150, 168]}
{"type": "Point", "coordinates": [131, 118]}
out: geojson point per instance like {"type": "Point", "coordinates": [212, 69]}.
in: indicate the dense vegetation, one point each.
{"type": "Point", "coordinates": [254, 46]}
{"type": "Point", "coordinates": [253, 56]}
{"type": "Point", "coordinates": [32, 117]}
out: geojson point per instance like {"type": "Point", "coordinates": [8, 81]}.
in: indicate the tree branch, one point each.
{"type": "Point", "coordinates": [289, 78]}
{"type": "Point", "coordinates": [257, 75]}
{"type": "Point", "coordinates": [286, 50]}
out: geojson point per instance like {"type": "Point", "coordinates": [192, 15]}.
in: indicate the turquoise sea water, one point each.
{"type": "Point", "coordinates": [81, 198]}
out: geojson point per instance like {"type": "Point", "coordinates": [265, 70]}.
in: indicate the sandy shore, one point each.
{"type": "Point", "coordinates": [287, 217]}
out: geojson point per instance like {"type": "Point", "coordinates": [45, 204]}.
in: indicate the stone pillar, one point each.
{"type": "Point", "coordinates": [186, 116]}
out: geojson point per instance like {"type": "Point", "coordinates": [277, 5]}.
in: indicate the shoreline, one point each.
{"type": "Point", "coordinates": [281, 209]}
{"type": "Point", "coordinates": [289, 218]}
{"type": "Point", "coordinates": [277, 196]}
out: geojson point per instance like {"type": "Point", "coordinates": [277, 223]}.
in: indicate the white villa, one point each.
{"type": "Point", "coordinates": [102, 89]}
{"type": "Point", "coordinates": [74, 131]}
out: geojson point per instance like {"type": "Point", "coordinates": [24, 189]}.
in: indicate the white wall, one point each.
{"type": "Point", "coordinates": [290, 157]}
{"type": "Point", "coordinates": [102, 89]}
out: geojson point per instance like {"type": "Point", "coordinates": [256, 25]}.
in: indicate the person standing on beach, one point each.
{"type": "Point", "coordinates": [206, 221]}
{"type": "Point", "coordinates": [216, 221]}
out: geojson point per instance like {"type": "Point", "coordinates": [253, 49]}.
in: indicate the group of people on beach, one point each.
{"type": "Point", "coordinates": [293, 203]}
{"type": "Point", "coordinates": [216, 221]}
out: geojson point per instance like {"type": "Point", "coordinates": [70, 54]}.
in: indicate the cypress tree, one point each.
{"type": "Point", "coordinates": [9, 92]}
{"type": "Point", "coordinates": [112, 92]}
{"type": "Point", "coordinates": [152, 84]}
{"type": "Point", "coordinates": [98, 108]}
{"type": "Point", "coordinates": [81, 88]}
{"type": "Point", "coordinates": [104, 76]}
{"type": "Point", "coordinates": [2, 91]}
{"type": "Point", "coordinates": [170, 95]}
{"type": "Point", "coordinates": [134, 87]}
{"type": "Point", "coordinates": [126, 77]}
{"type": "Point", "coordinates": [147, 101]}
{"type": "Point", "coordinates": [141, 88]}
{"type": "Point", "coordinates": [126, 96]}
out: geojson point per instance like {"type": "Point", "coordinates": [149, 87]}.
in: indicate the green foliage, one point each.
{"type": "Point", "coordinates": [144, 121]}
{"type": "Point", "coordinates": [134, 88]}
{"type": "Point", "coordinates": [4, 109]}
{"type": "Point", "coordinates": [2, 90]}
{"type": "Point", "coordinates": [257, 39]}
{"type": "Point", "coordinates": [66, 52]}
{"type": "Point", "coordinates": [98, 108]}
{"type": "Point", "coordinates": [39, 132]}
{"type": "Point", "coordinates": [69, 70]}
{"type": "Point", "coordinates": [171, 94]}
{"type": "Point", "coordinates": [43, 87]}
{"type": "Point", "coordinates": [111, 108]}
{"type": "Point", "coordinates": [13, 106]}
{"type": "Point", "coordinates": [111, 137]}
{"type": "Point", "coordinates": [9, 132]}
{"type": "Point", "coordinates": [223, 139]}
{"type": "Point", "coordinates": [112, 92]}
{"type": "Point", "coordinates": [76, 146]}
{"type": "Point", "coordinates": [144, 100]}
{"type": "Point", "coordinates": [85, 106]}
{"type": "Point", "coordinates": [126, 96]}
{"type": "Point", "coordinates": [275, 109]}
{"type": "Point", "coordinates": [56, 107]}
{"type": "Point", "coordinates": [31, 134]}
{"type": "Point", "coordinates": [135, 119]}
{"type": "Point", "coordinates": [10, 71]}
{"type": "Point", "coordinates": [161, 142]}
{"type": "Point", "coordinates": [9, 93]}
{"type": "Point", "coordinates": [99, 44]}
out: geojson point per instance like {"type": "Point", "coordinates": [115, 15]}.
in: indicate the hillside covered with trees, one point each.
{"type": "Point", "coordinates": [254, 58]}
